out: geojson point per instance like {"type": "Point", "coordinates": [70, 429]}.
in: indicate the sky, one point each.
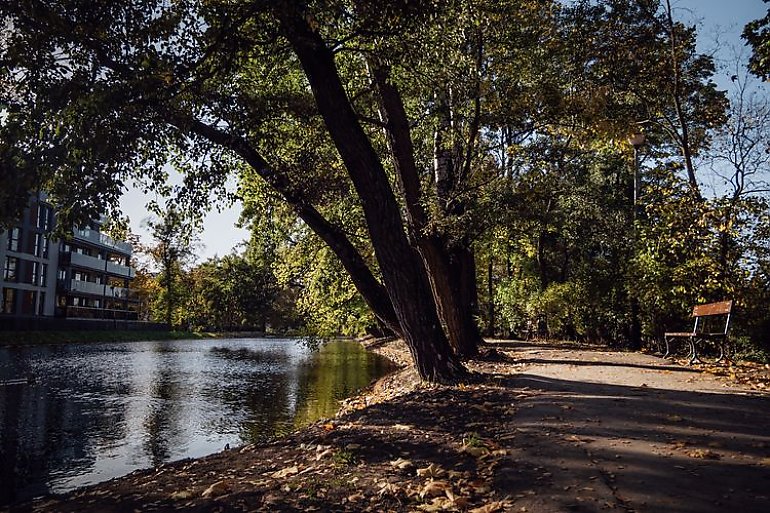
{"type": "Point", "coordinates": [720, 23]}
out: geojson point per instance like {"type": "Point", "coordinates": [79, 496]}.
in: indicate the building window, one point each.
{"type": "Point", "coordinates": [9, 301]}
{"type": "Point", "coordinates": [10, 271]}
{"type": "Point", "coordinates": [43, 216]}
{"type": "Point", "coordinates": [43, 274]}
{"type": "Point", "coordinates": [62, 274]}
{"type": "Point", "coordinates": [34, 275]}
{"type": "Point", "coordinates": [41, 303]}
{"type": "Point", "coordinates": [41, 245]}
{"type": "Point", "coordinates": [14, 236]}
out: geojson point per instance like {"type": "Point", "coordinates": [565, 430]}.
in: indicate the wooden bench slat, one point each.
{"type": "Point", "coordinates": [720, 308]}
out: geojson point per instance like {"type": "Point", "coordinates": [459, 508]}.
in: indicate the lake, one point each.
{"type": "Point", "coordinates": [92, 412]}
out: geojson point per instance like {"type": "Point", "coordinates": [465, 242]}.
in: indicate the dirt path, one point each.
{"type": "Point", "coordinates": [631, 431]}
{"type": "Point", "coordinates": [541, 429]}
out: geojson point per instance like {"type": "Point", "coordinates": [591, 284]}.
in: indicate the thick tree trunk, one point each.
{"type": "Point", "coordinates": [405, 278]}
{"type": "Point", "coordinates": [461, 327]}
{"type": "Point", "coordinates": [463, 264]}
{"type": "Point", "coordinates": [446, 283]}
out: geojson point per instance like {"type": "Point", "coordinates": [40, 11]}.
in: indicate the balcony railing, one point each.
{"type": "Point", "coordinates": [87, 287]}
{"type": "Point", "coordinates": [86, 261]}
{"type": "Point", "coordinates": [102, 239]}
{"type": "Point", "coordinates": [98, 289]}
{"type": "Point", "coordinates": [121, 270]}
{"type": "Point", "coordinates": [82, 312]}
{"type": "Point", "coordinates": [98, 264]}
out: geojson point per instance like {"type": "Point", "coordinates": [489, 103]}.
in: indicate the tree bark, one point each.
{"type": "Point", "coordinates": [405, 278]}
{"type": "Point", "coordinates": [461, 327]}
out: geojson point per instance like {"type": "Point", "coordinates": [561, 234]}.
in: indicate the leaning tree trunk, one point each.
{"type": "Point", "coordinates": [461, 327]}
{"type": "Point", "coordinates": [372, 291]}
{"type": "Point", "coordinates": [404, 275]}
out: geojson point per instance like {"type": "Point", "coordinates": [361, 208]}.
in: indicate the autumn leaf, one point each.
{"type": "Point", "coordinates": [431, 470]}
{"type": "Point", "coordinates": [181, 495]}
{"type": "Point", "coordinates": [706, 454]}
{"type": "Point", "coordinates": [217, 489]}
{"type": "Point", "coordinates": [435, 489]}
{"type": "Point", "coordinates": [288, 471]}
{"type": "Point", "coordinates": [492, 507]}
{"type": "Point", "coordinates": [402, 464]}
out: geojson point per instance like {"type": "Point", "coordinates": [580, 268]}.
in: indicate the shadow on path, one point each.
{"type": "Point", "coordinates": [576, 446]}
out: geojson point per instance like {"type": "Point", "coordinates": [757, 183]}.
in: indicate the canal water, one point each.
{"type": "Point", "coordinates": [91, 412]}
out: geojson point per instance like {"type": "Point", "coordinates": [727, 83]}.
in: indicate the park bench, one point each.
{"type": "Point", "coordinates": [703, 332]}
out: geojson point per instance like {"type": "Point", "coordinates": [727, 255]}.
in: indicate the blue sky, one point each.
{"type": "Point", "coordinates": [720, 23]}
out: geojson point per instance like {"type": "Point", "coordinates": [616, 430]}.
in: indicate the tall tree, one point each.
{"type": "Point", "coordinates": [124, 87]}
{"type": "Point", "coordinates": [173, 245]}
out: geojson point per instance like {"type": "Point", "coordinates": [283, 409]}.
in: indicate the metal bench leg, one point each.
{"type": "Point", "coordinates": [722, 354]}
{"type": "Point", "coordinates": [668, 348]}
{"type": "Point", "coordinates": [694, 353]}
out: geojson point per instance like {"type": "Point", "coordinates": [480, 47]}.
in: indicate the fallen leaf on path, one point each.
{"type": "Point", "coordinates": [431, 470]}
{"type": "Point", "coordinates": [475, 451]}
{"type": "Point", "coordinates": [434, 489]}
{"type": "Point", "coordinates": [492, 507]}
{"type": "Point", "coordinates": [217, 489]}
{"type": "Point", "coordinates": [706, 454]}
{"type": "Point", "coordinates": [181, 495]}
{"type": "Point", "coordinates": [389, 489]}
{"type": "Point", "coordinates": [402, 464]}
{"type": "Point", "coordinates": [288, 471]}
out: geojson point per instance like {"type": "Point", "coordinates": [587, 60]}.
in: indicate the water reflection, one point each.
{"type": "Point", "coordinates": [99, 411]}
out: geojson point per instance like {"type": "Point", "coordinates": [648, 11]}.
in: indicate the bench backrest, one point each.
{"type": "Point", "coordinates": [710, 309]}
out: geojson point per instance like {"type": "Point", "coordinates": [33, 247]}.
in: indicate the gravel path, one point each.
{"type": "Point", "coordinates": [634, 432]}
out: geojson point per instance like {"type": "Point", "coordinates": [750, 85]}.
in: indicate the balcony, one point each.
{"type": "Point", "coordinates": [101, 239]}
{"type": "Point", "coordinates": [119, 292]}
{"type": "Point", "coordinates": [81, 312]}
{"type": "Point", "coordinates": [98, 289]}
{"type": "Point", "coordinates": [97, 264]}
{"type": "Point", "coordinates": [121, 270]}
{"type": "Point", "coordinates": [87, 287]}
{"type": "Point", "coordinates": [87, 262]}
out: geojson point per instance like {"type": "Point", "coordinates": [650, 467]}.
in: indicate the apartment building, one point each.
{"type": "Point", "coordinates": [86, 276]}
{"type": "Point", "coordinates": [29, 260]}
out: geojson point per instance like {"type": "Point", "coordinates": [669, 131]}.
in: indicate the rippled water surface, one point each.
{"type": "Point", "coordinates": [97, 411]}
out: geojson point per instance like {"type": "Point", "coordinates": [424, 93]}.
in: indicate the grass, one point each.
{"type": "Point", "coordinates": [32, 338]}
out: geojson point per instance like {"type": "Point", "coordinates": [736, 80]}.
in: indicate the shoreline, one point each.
{"type": "Point", "coordinates": [532, 433]}
{"type": "Point", "coordinates": [42, 338]}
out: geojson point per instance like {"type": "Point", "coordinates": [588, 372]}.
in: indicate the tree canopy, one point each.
{"type": "Point", "coordinates": [414, 140]}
